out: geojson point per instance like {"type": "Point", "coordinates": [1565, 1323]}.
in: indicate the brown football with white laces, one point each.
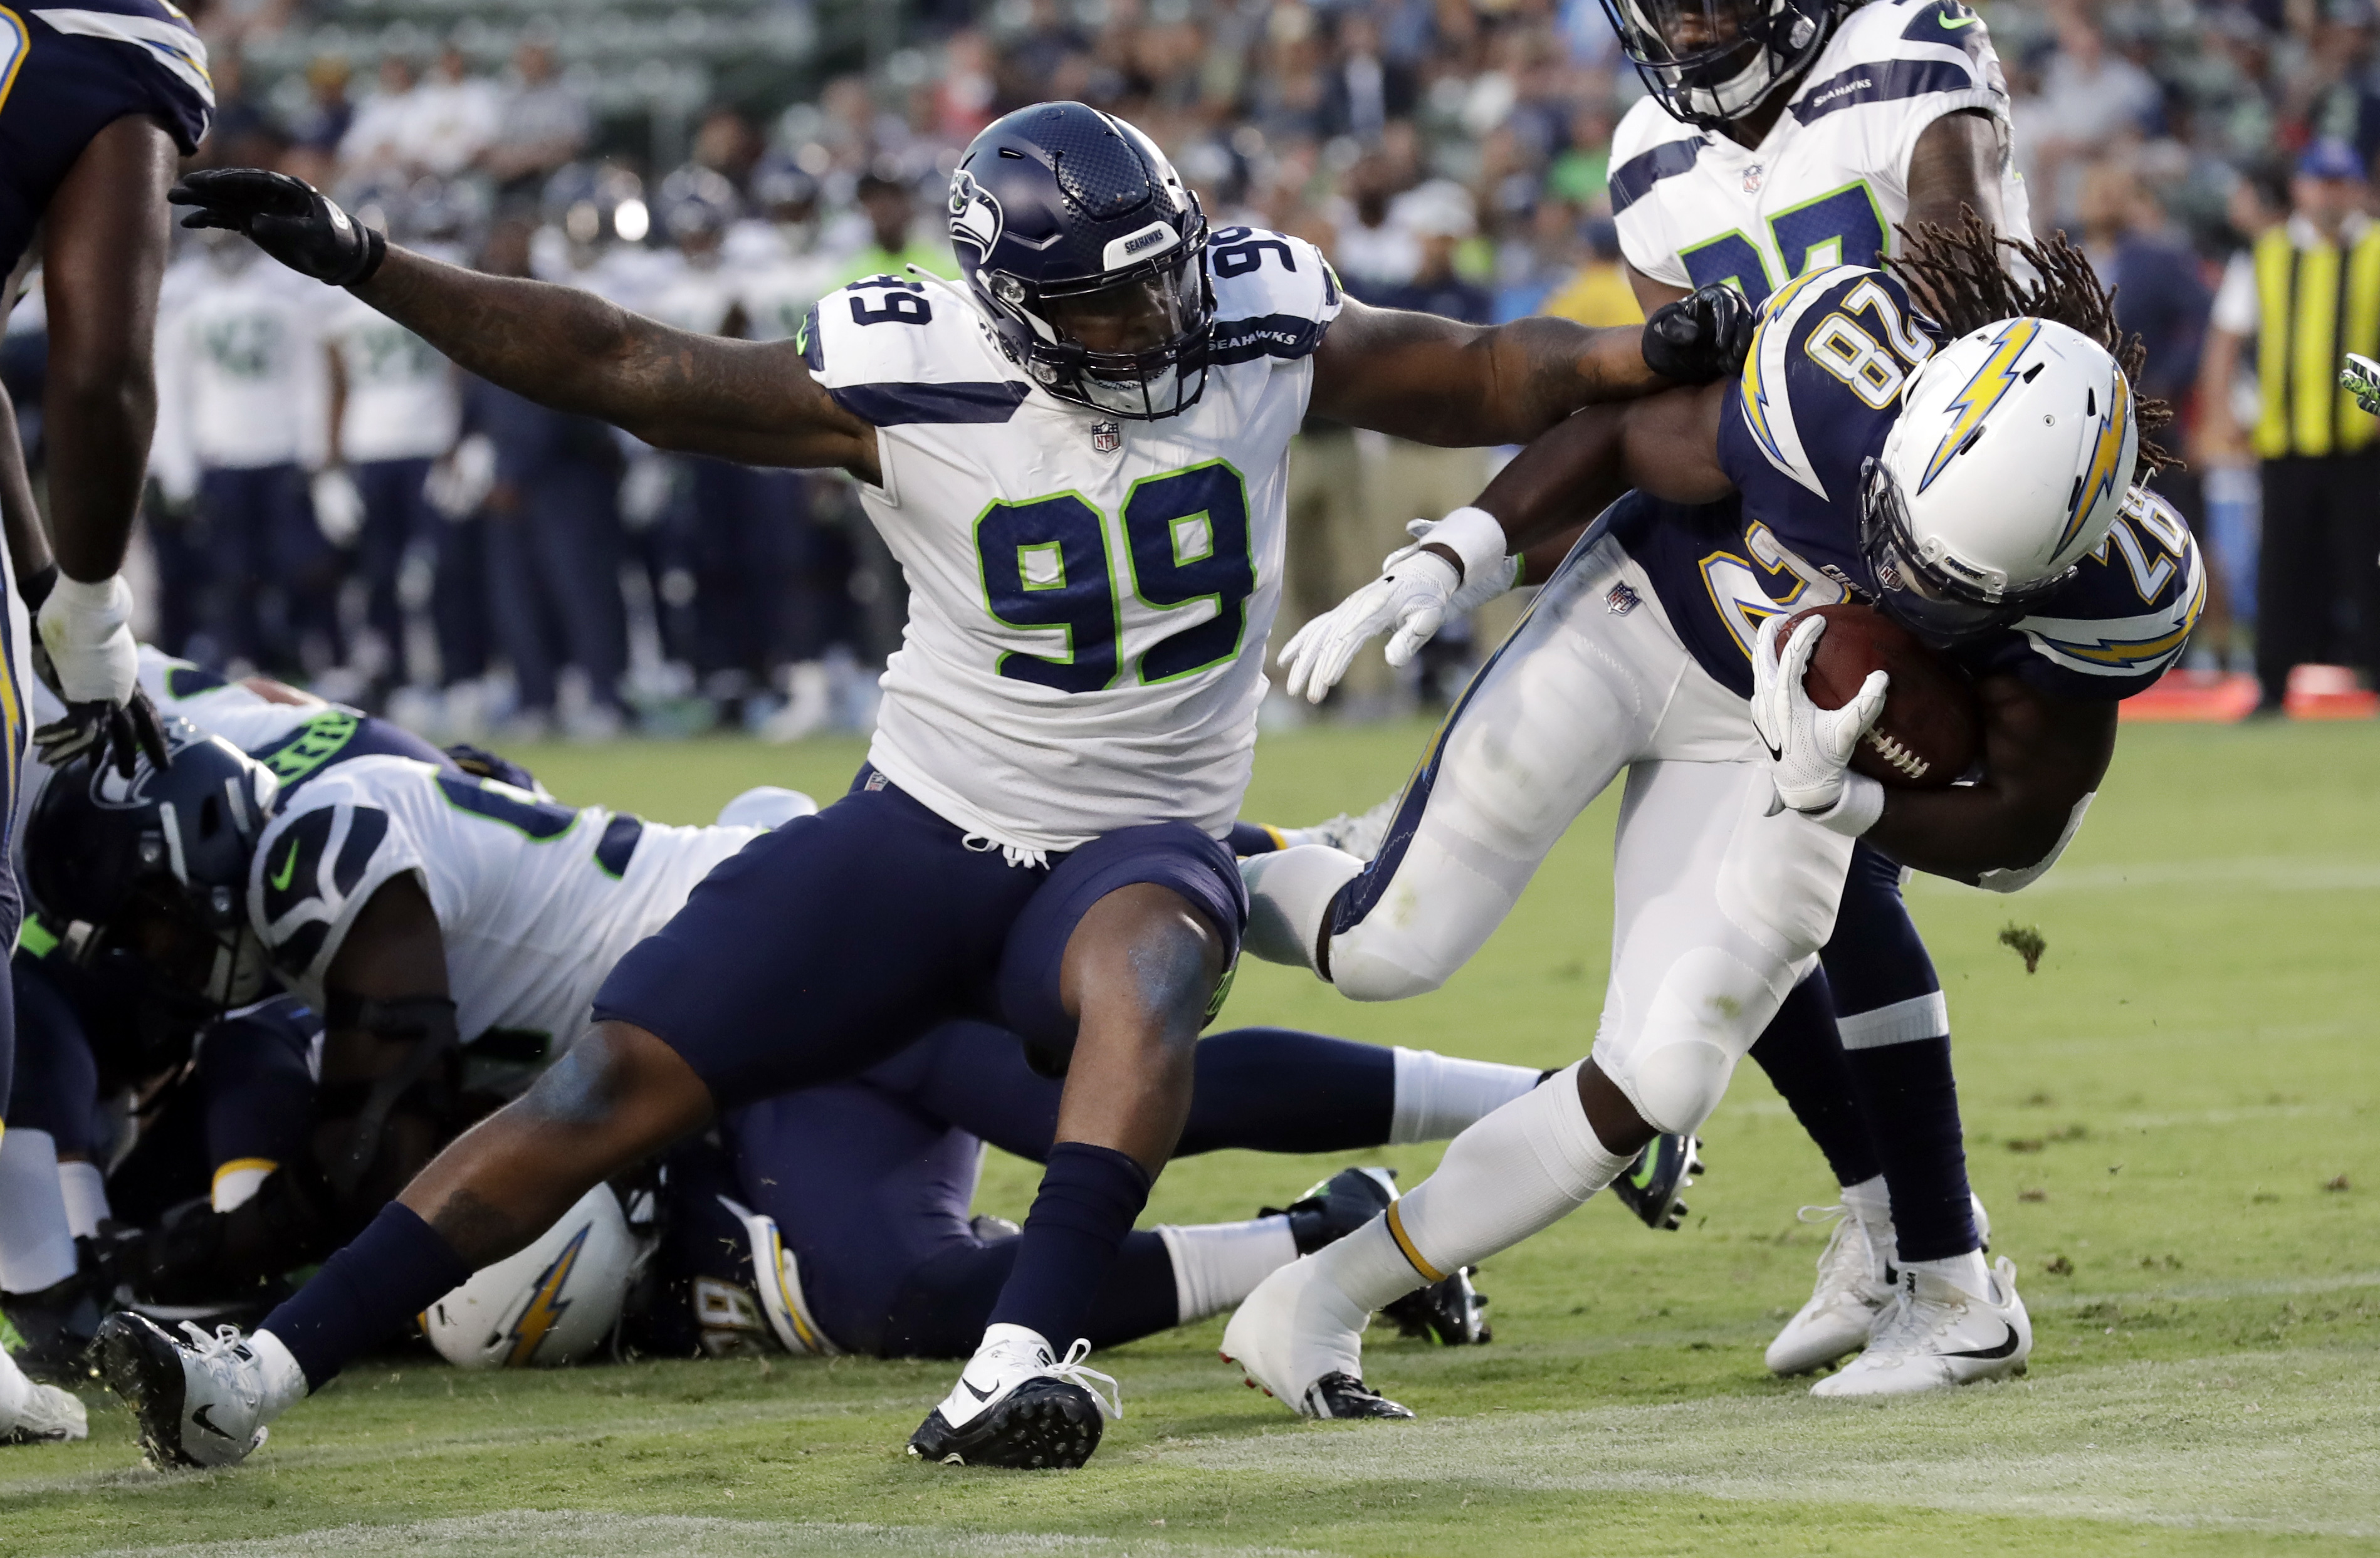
{"type": "Point", "coordinates": [1930, 732]}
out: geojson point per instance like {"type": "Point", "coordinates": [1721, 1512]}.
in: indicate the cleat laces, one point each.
{"type": "Point", "coordinates": [1071, 1369]}
{"type": "Point", "coordinates": [1848, 1262]}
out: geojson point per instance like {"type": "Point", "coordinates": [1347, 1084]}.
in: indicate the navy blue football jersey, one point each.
{"type": "Point", "coordinates": [1821, 388]}
{"type": "Point", "coordinates": [66, 73]}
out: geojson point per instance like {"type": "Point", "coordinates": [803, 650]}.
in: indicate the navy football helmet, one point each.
{"type": "Point", "coordinates": [1088, 253]}
{"type": "Point", "coordinates": [167, 847]}
{"type": "Point", "coordinates": [1711, 62]}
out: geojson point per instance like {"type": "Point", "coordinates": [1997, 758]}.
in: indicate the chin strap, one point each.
{"type": "Point", "coordinates": [429, 1022]}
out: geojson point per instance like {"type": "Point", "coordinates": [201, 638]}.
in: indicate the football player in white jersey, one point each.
{"type": "Point", "coordinates": [1972, 482]}
{"type": "Point", "coordinates": [1078, 458]}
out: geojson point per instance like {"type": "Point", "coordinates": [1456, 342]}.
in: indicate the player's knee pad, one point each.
{"type": "Point", "coordinates": [1704, 1016]}
{"type": "Point", "coordinates": [1369, 964]}
{"type": "Point", "coordinates": [1290, 892]}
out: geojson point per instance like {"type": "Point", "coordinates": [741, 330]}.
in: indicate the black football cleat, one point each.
{"type": "Point", "coordinates": [1649, 1188]}
{"type": "Point", "coordinates": [1017, 1408]}
{"type": "Point", "coordinates": [1344, 1395]}
{"type": "Point", "coordinates": [1337, 1207]}
{"type": "Point", "coordinates": [1453, 1313]}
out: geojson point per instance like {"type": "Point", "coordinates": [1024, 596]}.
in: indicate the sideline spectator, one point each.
{"type": "Point", "coordinates": [2308, 292]}
{"type": "Point", "coordinates": [541, 124]}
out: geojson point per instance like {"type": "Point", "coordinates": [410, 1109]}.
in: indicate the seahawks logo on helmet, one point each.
{"type": "Point", "coordinates": [976, 217]}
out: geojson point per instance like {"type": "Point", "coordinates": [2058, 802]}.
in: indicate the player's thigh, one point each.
{"type": "Point", "coordinates": [865, 1188]}
{"type": "Point", "coordinates": [1537, 735]}
{"type": "Point", "coordinates": [975, 1075]}
{"type": "Point", "coordinates": [822, 948]}
{"type": "Point", "coordinates": [1884, 986]}
{"type": "Point", "coordinates": [1720, 909]}
{"type": "Point", "coordinates": [1079, 918]}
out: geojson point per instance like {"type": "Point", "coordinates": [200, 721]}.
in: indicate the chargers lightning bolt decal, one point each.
{"type": "Point", "coordinates": [1975, 399]}
{"type": "Point", "coordinates": [546, 1305]}
{"type": "Point", "coordinates": [2101, 476]}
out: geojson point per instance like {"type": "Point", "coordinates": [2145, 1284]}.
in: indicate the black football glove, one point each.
{"type": "Point", "coordinates": [120, 728]}
{"type": "Point", "coordinates": [286, 218]}
{"type": "Point", "coordinates": [1702, 336]}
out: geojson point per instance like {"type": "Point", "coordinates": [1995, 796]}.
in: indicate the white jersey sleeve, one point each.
{"type": "Point", "coordinates": [1089, 594]}
{"type": "Point", "coordinates": [1910, 63]}
{"type": "Point", "coordinates": [320, 861]}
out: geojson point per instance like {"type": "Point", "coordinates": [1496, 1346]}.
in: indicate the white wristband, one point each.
{"type": "Point", "coordinates": [1473, 534]}
{"type": "Point", "coordinates": [1855, 810]}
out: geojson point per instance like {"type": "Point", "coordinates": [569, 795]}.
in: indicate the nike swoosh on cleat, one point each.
{"type": "Point", "coordinates": [979, 1395]}
{"type": "Point", "coordinates": [199, 1418]}
{"type": "Point", "coordinates": [2004, 1350]}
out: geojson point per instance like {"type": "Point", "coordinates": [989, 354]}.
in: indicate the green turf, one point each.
{"type": "Point", "coordinates": [2155, 1119]}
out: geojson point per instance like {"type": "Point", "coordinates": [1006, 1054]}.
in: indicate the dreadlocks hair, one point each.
{"type": "Point", "coordinates": [1959, 277]}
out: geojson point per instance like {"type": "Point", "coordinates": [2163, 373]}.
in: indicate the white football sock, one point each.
{"type": "Point", "coordinates": [1521, 1169]}
{"type": "Point", "coordinates": [86, 1198]}
{"type": "Point", "coordinates": [1438, 1096]}
{"type": "Point", "coordinates": [284, 1381]}
{"type": "Point", "coordinates": [1217, 1265]}
{"type": "Point", "coordinates": [1966, 1273]}
{"type": "Point", "coordinates": [1288, 892]}
{"type": "Point", "coordinates": [237, 1180]}
{"type": "Point", "coordinates": [1869, 1200]}
{"type": "Point", "coordinates": [36, 1241]}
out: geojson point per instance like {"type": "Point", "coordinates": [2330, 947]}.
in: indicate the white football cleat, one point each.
{"type": "Point", "coordinates": [1359, 836]}
{"type": "Point", "coordinates": [1854, 1284]}
{"type": "Point", "coordinates": [34, 1413]}
{"type": "Point", "coordinates": [199, 1401]}
{"type": "Point", "coordinates": [1936, 1334]}
{"type": "Point", "coordinates": [1016, 1406]}
{"type": "Point", "coordinates": [1300, 1340]}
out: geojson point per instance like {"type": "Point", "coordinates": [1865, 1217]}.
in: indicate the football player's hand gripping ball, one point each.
{"type": "Point", "coordinates": [286, 218]}
{"type": "Point", "coordinates": [1700, 337]}
{"type": "Point", "coordinates": [1809, 747]}
{"type": "Point", "coordinates": [85, 652]}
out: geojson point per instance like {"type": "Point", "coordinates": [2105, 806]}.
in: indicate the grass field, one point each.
{"type": "Point", "coordinates": [2173, 1123]}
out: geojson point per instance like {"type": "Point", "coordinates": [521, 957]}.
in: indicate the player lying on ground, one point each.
{"type": "Point", "coordinates": [1078, 459]}
{"type": "Point", "coordinates": [97, 102]}
{"type": "Point", "coordinates": [1773, 132]}
{"type": "Point", "coordinates": [421, 904]}
{"type": "Point", "coordinates": [1975, 485]}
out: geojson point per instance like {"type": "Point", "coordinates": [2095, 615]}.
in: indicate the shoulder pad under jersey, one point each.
{"type": "Point", "coordinates": [1894, 56]}
{"type": "Point", "coordinates": [1275, 296]}
{"type": "Point", "coordinates": [2124, 619]}
{"type": "Point", "coordinates": [319, 862]}
{"type": "Point", "coordinates": [1821, 384]}
{"type": "Point", "coordinates": [900, 350]}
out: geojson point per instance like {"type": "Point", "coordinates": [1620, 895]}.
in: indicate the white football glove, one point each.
{"type": "Point", "coordinates": [1480, 586]}
{"type": "Point", "coordinates": [88, 656]}
{"type": "Point", "coordinates": [1409, 600]}
{"type": "Point", "coordinates": [1809, 748]}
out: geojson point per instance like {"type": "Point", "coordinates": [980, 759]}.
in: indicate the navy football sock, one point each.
{"type": "Point", "coordinates": [366, 1293]}
{"type": "Point", "coordinates": [1803, 1057]}
{"type": "Point", "coordinates": [1251, 838]}
{"type": "Point", "coordinates": [942, 1307]}
{"type": "Point", "coordinates": [1090, 1197]}
{"type": "Point", "coordinates": [1912, 1103]}
{"type": "Point", "coordinates": [1275, 1090]}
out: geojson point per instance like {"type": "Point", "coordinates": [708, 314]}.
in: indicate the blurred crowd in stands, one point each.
{"type": "Point", "coordinates": [331, 503]}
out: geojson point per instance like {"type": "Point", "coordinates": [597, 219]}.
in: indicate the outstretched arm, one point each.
{"type": "Point", "coordinates": [567, 349]}
{"type": "Point", "coordinates": [739, 400]}
{"type": "Point", "coordinates": [1436, 380]}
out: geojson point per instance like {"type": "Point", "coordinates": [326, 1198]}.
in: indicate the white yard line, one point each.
{"type": "Point", "coordinates": [2281, 1442]}
{"type": "Point", "coordinates": [539, 1533]}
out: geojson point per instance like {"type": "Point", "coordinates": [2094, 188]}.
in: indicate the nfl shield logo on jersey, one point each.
{"type": "Point", "coordinates": [1752, 178]}
{"type": "Point", "coordinates": [1621, 600]}
{"type": "Point", "coordinates": [1107, 437]}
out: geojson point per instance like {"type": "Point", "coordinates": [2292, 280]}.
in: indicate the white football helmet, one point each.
{"type": "Point", "coordinates": [552, 1303]}
{"type": "Point", "coordinates": [2011, 457]}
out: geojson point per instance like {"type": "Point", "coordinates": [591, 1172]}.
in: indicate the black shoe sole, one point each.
{"type": "Point", "coordinates": [141, 1364]}
{"type": "Point", "coordinates": [1044, 1425]}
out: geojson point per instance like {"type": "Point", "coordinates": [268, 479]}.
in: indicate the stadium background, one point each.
{"type": "Point", "coordinates": [722, 164]}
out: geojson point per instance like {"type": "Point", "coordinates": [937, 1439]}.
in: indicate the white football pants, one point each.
{"type": "Point", "coordinates": [1719, 907]}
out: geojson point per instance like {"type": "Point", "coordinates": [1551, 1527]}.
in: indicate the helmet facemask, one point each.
{"type": "Point", "coordinates": [1710, 61]}
{"type": "Point", "coordinates": [1928, 599]}
{"type": "Point", "coordinates": [1131, 344]}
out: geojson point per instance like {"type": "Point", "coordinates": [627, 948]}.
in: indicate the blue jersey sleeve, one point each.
{"type": "Point", "coordinates": [2121, 623]}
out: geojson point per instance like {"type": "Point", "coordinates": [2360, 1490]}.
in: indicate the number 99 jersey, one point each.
{"type": "Point", "coordinates": [1089, 595]}
{"type": "Point", "coordinates": [1821, 388]}
{"type": "Point", "coordinates": [1830, 182]}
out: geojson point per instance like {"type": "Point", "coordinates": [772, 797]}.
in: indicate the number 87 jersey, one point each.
{"type": "Point", "coordinates": [1089, 594]}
